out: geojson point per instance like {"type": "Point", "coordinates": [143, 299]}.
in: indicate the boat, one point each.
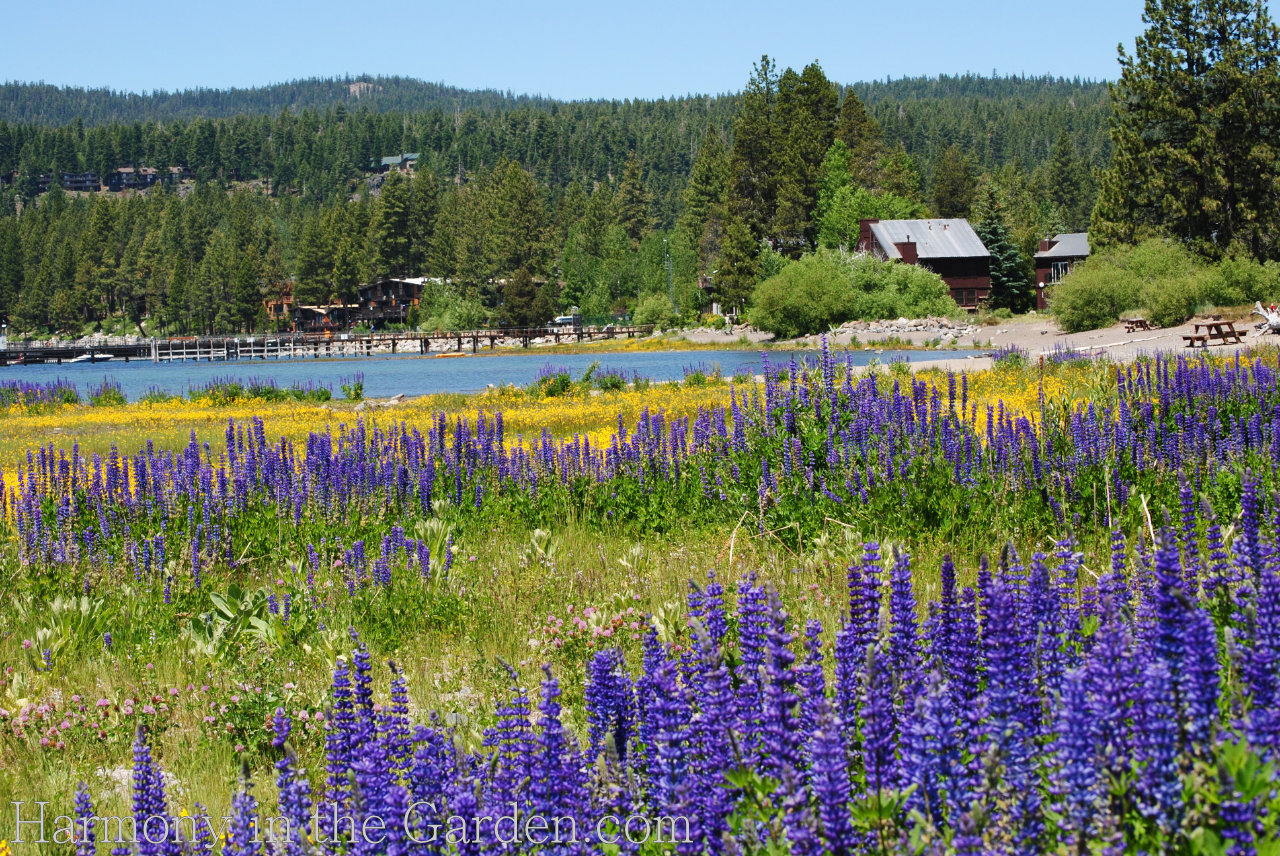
{"type": "Point", "coordinates": [91, 358]}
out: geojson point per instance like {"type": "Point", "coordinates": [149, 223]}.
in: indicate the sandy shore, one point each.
{"type": "Point", "coordinates": [1036, 335]}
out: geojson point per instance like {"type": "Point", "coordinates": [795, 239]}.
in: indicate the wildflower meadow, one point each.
{"type": "Point", "coordinates": [1027, 610]}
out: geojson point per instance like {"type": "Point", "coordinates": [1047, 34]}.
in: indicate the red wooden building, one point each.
{"type": "Point", "coordinates": [1057, 256]}
{"type": "Point", "coordinates": [948, 247]}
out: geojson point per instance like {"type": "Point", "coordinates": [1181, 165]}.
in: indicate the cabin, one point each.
{"type": "Point", "coordinates": [388, 300]}
{"type": "Point", "coordinates": [280, 308]}
{"type": "Point", "coordinates": [323, 319]}
{"type": "Point", "coordinates": [1055, 259]}
{"type": "Point", "coordinates": [948, 247]}
{"type": "Point", "coordinates": [400, 163]}
{"type": "Point", "coordinates": [131, 178]}
{"type": "Point", "coordinates": [85, 182]}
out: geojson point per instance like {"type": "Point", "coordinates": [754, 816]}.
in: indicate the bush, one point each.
{"type": "Point", "coordinates": [156, 395]}
{"type": "Point", "coordinates": [715, 322]}
{"type": "Point", "coordinates": [109, 393]}
{"type": "Point", "coordinates": [353, 387]}
{"type": "Point", "coordinates": [1158, 279]}
{"type": "Point", "coordinates": [831, 286]}
{"type": "Point", "coordinates": [656, 309]}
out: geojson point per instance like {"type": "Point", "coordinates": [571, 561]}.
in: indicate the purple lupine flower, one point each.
{"type": "Point", "coordinates": [1156, 728]}
{"type": "Point", "coordinates": [1077, 747]}
{"type": "Point", "coordinates": [1198, 682]}
{"type": "Point", "coordinates": [202, 838]}
{"type": "Point", "coordinates": [829, 778]}
{"type": "Point", "coordinates": [243, 834]}
{"type": "Point", "coordinates": [781, 744]}
{"type": "Point", "coordinates": [293, 789]}
{"type": "Point", "coordinates": [930, 750]}
{"type": "Point", "coordinates": [86, 836]}
{"type": "Point", "coordinates": [609, 701]}
{"type": "Point", "coordinates": [904, 654]}
{"type": "Point", "coordinates": [879, 725]}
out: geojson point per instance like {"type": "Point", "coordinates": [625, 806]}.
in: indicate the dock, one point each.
{"type": "Point", "coordinates": [301, 346]}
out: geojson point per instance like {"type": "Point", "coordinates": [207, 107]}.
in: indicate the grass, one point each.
{"type": "Point", "coordinates": [512, 593]}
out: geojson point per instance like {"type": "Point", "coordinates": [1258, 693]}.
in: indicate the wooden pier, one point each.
{"type": "Point", "coordinates": [297, 346]}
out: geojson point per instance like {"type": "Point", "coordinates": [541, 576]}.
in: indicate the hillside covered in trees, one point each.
{"type": "Point", "coordinates": [595, 204]}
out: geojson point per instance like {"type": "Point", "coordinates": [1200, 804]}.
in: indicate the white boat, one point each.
{"type": "Point", "coordinates": [91, 358]}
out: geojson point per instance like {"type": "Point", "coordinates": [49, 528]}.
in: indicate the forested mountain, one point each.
{"type": "Point", "coordinates": [40, 103]}
{"type": "Point", "coordinates": [607, 201]}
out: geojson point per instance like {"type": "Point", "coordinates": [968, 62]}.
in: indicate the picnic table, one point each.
{"type": "Point", "coordinates": [1215, 332]}
{"type": "Point", "coordinates": [1135, 324]}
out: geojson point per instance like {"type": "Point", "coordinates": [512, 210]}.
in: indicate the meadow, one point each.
{"type": "Point", "coordinates": [840, 610]}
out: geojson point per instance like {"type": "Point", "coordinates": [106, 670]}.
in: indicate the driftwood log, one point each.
{"type": "Point", "coordinates": [1270, 319]}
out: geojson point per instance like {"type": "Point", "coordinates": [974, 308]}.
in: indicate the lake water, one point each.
{"type": "Point", "coordinates": [422, 375]}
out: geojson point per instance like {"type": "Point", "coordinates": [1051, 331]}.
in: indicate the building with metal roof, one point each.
{"type": "Point", "coordinates": [1057, 256]}
{"type": "Point", "coordinates": [403, 162]}
{"type": "Point", "coordinates": [947, 246]}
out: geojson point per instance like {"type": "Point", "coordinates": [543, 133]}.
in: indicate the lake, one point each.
{"type": "Point", "coordinates": [423, 375]}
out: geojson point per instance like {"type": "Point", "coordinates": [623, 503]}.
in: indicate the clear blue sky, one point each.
{"type": "Point", "coordinates": [568, 50]}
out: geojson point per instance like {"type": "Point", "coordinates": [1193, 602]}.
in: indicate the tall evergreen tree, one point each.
{"type": "Point", "coordinates": [518, 296]}
{"type": "Point", "coordinates": [753, 160]}
{"type": "Point", "coordinates": [633, 201]}
{"type": "Point", "coordinates": [953, 184]}
{"type": "Point", "coordinates": [806, 123]}
{"type": "Point", "coordinates": [1194, 118]}
{"type": "Point", "coordinates": [392, 235]}
{"type": "Point", "coordinates": [1069, 184]}
{"type": "Point", "coordinates": [861, 135]}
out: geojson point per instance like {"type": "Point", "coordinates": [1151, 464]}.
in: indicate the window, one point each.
{"type": "Point", "coordinates": [1058, 270]}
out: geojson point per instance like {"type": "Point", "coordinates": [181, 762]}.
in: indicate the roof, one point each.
{"type": "Point", "coordinates": [934, 239]}
{"type": "Point", "coordinates": [396, 160]}
{"type": "Point", "coordinates": [1069, 245]}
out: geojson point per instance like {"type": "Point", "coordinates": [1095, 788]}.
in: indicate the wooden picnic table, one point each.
{"type": "Point", "coordinates": [1135, 324]}
{"type": "Point", "coordinates": [1215, 332]}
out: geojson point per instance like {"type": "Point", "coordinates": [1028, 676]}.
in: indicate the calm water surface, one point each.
{"type": "Point", "coordinates": [422, 375]}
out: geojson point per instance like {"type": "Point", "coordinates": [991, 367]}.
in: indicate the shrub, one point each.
{"type": "Point", "coordinates": [831, 286]}
{"type": "Point", "coordinates": [156, 395]}
{"type": "Point", "coordinates": [552, 381]}
{"type": "Point", "coordinates": [1009, 355]}
{"type": "Point", "coordinates": [656, 309]}
{"type": "Point", "coordinates": [353, 387]}
{"type": "Point", "coordinates": [715, 322]}
{"type": "Point", "coordinates": [1159, 279]}
{"type": "Point", "coordinates": [109, 393]}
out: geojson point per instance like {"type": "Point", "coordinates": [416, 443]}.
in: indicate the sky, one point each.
{"type": "Point", "coordinates": [567, 50]}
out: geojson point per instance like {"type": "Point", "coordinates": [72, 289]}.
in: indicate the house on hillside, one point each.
{"type": "Point", "coordinates": [130, 178]}
{"type": "Point", "coordinates": [323, 319]}
{"type": "Point", "coordinates": [388, 300]}
{"type": "Point", "coordinates": [948, 247]}
{"type": "Point", "coordinates": [85, 182]}
{"type": "Point", "coordinates": [1057, 256]}
{"type": "Point", "coordinates": [280, 308]}
{"type": "Point", "coordinates": [401, 163]}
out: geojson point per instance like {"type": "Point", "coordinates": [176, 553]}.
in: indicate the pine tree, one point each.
{"type": "Point", "coordinates": [1068, 183]}
{"type": "Point", "coordinates": [518, 296]}
{"type": "Point", "coordinates": [861, 135]}
{"type": "Point", "coordinates": [392, 235]}
{"type": "Point", "coordinates": [11, 268]}
{"type": "Point", "coordinates": [953, 184]}
{"type": "Point", "coordinates": [1194, 116]}
{"type": "Point", "coordinates": [753, 160]}
{"type": "Point", "coordinates": [633, 201]}
{"type": "Point", "coordinates": [806, 124]}
{"type": "Point", "coordinates": [1011, 271]}
{"type": "Point", "coordinates": [704, 194]}
{"type": "Point", "coordinates": [739, 265]}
